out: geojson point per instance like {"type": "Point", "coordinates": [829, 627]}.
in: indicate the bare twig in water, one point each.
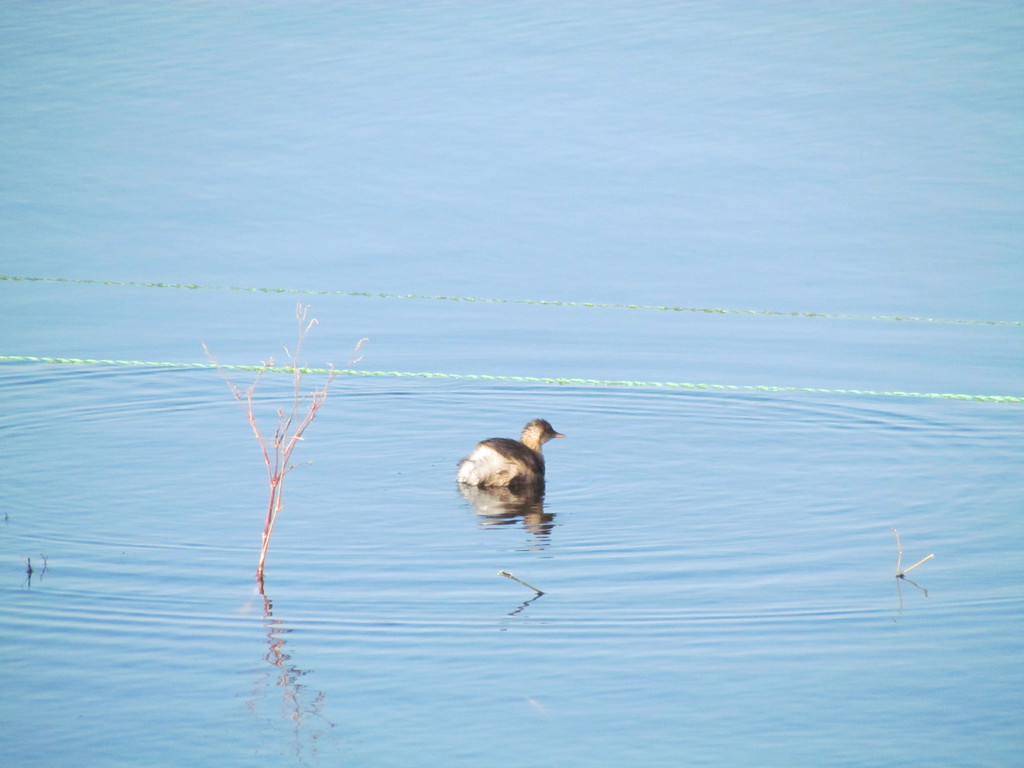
{"type": "Point", "coordinates": [901, 574]}
{"type": "Point", "coordinates": [291, 424]}
{"type": "Point", "coordinates": [908, 570]}
{"type": "Point", "coordinates": [508, 575]}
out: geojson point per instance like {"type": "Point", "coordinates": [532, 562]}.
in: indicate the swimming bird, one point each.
{"type": "Point", "coordinates": [503, 462]}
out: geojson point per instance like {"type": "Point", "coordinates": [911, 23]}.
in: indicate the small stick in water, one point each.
{"type": "Point", "coordinates": [899, 560]}
{"type": "Point", "coordinates": [908, 570]}
{"type": "Point", "coordinates": [508, 575]}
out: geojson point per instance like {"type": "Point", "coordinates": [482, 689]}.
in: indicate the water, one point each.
{"type": "Point", "coordinates": [717, 565]}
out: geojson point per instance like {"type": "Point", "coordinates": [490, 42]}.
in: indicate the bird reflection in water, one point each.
{"type": "Point", "coordinates": [504, 506]}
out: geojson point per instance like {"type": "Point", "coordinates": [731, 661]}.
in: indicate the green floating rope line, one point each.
{"type": "Point", "coordinates": [515, 379]}
{"type": "Point", "coordinates": [538, 302]}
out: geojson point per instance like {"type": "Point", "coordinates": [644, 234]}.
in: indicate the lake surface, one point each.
{"type": "Point", "coordinates": [715, 547]}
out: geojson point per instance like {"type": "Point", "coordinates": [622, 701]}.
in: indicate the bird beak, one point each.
{"type": "Point", "coordinates": [559, 434]}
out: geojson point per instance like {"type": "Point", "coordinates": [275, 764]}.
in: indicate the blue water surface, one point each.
{"type": "Point", "coordinates": [716, 547]}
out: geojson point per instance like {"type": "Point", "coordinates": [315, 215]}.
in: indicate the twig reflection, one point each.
{"type": "Point", "coordinates": [300, 706]}
{"type": "Point", "coordinates": [29, 570]}
{"type": "Point", "coordinates": [522, 606]}
{"type": "Point", "coordinates": [899, 590]}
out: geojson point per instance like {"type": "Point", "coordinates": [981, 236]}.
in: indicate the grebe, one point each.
{"type": "Point", "coordinates": [502, 462]}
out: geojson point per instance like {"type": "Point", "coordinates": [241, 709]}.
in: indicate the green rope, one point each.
{"type": "Point", "coordinates": [516, 379]}
{"type": "Point", "coordinates": [537, 302]}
